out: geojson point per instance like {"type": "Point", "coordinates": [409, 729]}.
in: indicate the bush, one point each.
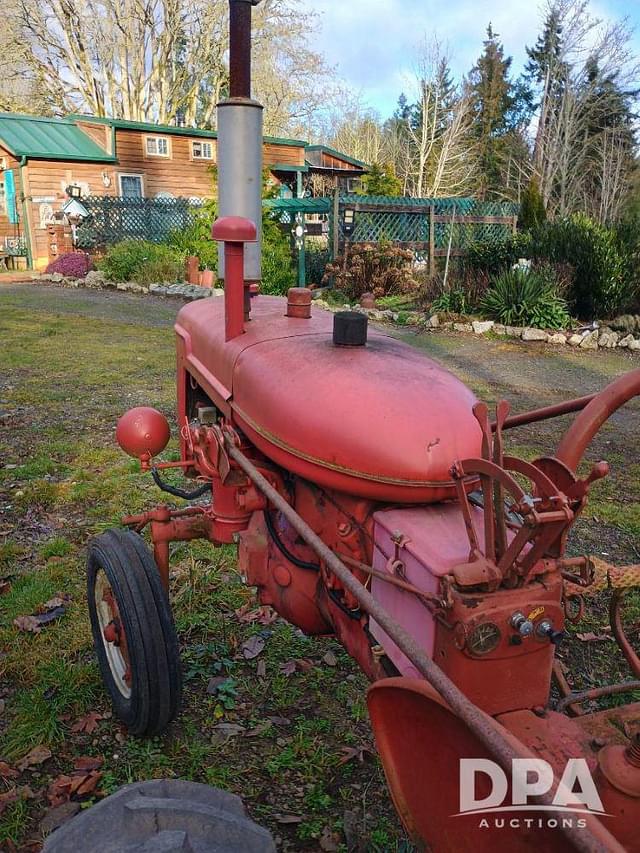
{"type": "Point", "coordinates": [278, 272]}
{"type": "Point", "coordinates": [73, 265]}
{"type": "Point", "coordinates": [453, 301]}
{"type": "Point", "coordinates": [380, 268]}
{"type": "Point", "coordinates": [525, 298]}
{"type": "Point", "coordinates": [598, 288]}
{"type": "Point", "coordinates": [159, 270]}
{"type": "Point", "coordinates": [532, 210]}
{"type": "Point", "coordinates": [137, 260]}
{"type": "Point", "coordinates": [196, 240]}
{"type": "Point", "coordinates": [492, 258]}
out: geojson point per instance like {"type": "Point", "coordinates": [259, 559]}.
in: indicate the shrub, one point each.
{"type": "Point", "coordinates": [125, 262]}
{"type": "Point", "coordinates": [278, 273]}
{"type": "Point", "coordinates": [380, 268]}
{"type": "Point", "coordinates": [73, 265]}
{"type": "Point", "coordinates": [159, 270]}
{"type": "Point", "coordinates": [525, 298]}
{"type": "Point", "coordinates": [532, 210]}
{"type": "Point", "coordinates": [453, 301]}
{"type": "Point", "coordinates": [492, 258]}
{"type": "Point", "coordinates": [195, 239]}
{"type": "Point", "coordinates": [598, 288]}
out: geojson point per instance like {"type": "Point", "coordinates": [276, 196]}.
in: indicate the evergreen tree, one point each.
{"type": "Point", "coordinates": [501, 108]}
{"type": "Point", "coordinates": [381, 180]}
{"type": "Point", "coordinates": [532, 210]}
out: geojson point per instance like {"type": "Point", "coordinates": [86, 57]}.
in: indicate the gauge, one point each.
{"type": "Point", "coordinates": [483, 639]}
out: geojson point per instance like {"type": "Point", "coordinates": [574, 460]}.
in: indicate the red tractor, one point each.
{"type": "Point", "coordinates": [371, 499]}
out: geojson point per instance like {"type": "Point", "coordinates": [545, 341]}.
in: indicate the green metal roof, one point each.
{"type": "Point", "coordinates": [332, 152]}
{"type": "Point", "coordinates": [287, 167]}
{"type": "Point", "coordinates": [48, 139]}
{"type": "Point", "coordinates": [149, 127]}
{"type": "Point", "coordinates": [299, 205]}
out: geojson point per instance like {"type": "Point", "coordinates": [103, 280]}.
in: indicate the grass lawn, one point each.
{"type": "Point", "coordinates": [299, 747]}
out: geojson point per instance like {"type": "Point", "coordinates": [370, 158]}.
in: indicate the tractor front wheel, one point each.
{"type": "Point", "coordinates": [133, 632]}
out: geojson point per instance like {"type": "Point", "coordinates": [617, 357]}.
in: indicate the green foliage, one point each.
{"type": "Point", "coordinates": [532, 209]}
{"type": "Point", "coordinates": [525, 298]}
{"type": "Point", "coordinates": [492, 258]}
{"type": "Point", "coordinates": [381, 180]}
{"type": "Point", "coordinates": [453, 301]}
{"type": "Point", "coordinates": [196, 240]}
{"type": "Point", "coordinates": [142, 261]}
{"type": "Point", "coordinates": [379, 268]}
{"type": "Point", "coordinates": [599, 288]}
{"type": "Point", "coordinates": [278, 272]}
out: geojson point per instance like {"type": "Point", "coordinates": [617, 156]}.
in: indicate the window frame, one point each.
{"type": "Point", "coordinates": [201, 142]}
{"type": "Point", "coordinates": [157, 138]}
{"type": "Point", "coordinates": [137, 175]}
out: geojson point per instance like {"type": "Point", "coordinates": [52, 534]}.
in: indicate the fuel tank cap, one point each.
{"type": "Point", "coordinates": [349, 329]}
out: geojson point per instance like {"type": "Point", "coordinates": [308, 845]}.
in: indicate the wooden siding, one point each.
{"type": "Point", "coordinates": [100, 133]}
{"type": "Point", "coordinates": [328, 160]}
{"type": "Point", "coordinates": [179, 174]}
{"type": "Point", "coordinates": [10, 229]}
{"type": "Point", "coordinates": [292, 155]}
{"type": "Point", "coordinates": [45, 184]}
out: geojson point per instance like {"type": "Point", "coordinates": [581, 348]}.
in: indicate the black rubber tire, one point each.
{"type": "Point", "coordinates": [156, 682]}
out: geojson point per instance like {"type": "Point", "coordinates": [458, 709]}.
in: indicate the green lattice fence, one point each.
{"type": "Point", "coordinates": [113, 219]}
{"type": "Point", "coordinates": [424, 224]}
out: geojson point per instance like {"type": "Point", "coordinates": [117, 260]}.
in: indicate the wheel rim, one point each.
{"type": "Point", "coordinates": [112, 634]}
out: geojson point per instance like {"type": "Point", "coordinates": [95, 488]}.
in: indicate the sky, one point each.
{"type": "Point", "coordinates": [371, 42]}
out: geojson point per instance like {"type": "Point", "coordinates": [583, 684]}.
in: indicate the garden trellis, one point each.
{"type": "Point", "coordinates": [112, 219]}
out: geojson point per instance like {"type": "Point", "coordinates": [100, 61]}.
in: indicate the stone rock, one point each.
{"type": "Point", "coordinates": [499, 329]}
{"type": "Point", "coordinates": [627, 323]}
{"type": "Point", "coordinates": [634, 344]}
{"type": "Point", "coordinates": [534, 335]}
{"type": "Point", "coordinates": [95, 278]}
{"type": "Point", "coordinates": [414, 318]}
{"type": "Point", "coordinates": [558, 338]}
{"type": "Point", "coordinates": [433, 322]}
{"type": "Point", "coordinates": [481, 327]}
{"type": "Point", "coordinates": [624, 342]}
{"type": "Point", "coordinates": [218, 291]}
{"type": "Point", "coordinates": [575, 340]}
{"type": "Point", "coordinates": [462, 327]}
{"type": "Point", "coordinates": [590, 340]}
{"type": "Point", "coordinates": [514, 331]}
{"type": "Point", "coordinates": [609, 340]}
{"type": "Point", "coordinates": [368, 300]}
{"type": "Point", "coordinates": [56, 276]}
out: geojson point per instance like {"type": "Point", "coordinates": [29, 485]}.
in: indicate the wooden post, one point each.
{"type": "Point", "coordinates": [335, 231]}
{"type": "Point", "coordinates": [432, 242]}
{"type": "Point", "coordinates": [515, 224]}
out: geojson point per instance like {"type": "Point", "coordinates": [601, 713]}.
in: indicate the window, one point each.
{"type": "Point", "coordinates": [202, 151]}
{"type": "Point", "coordinates": [157, 146]}
{"type": "Point", "coordinates": [131, 186]}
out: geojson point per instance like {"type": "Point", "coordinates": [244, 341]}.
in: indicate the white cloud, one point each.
{"type": "Point", "coordinates": [373, 42]}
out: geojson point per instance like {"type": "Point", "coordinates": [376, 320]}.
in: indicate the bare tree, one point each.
{"type": "Point", "coordinates": [164, 60]}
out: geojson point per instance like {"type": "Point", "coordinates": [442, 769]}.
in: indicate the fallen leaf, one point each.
{"type": "Point", "coordinates": [261, 669]}
{"type": "Point", "coordinates": [330, 659]}
{"type": "Point", "coordinates": [52, 604]}
{"type": "Point", "coordinates": [38, 755]}
{"type": "Point", "coordinates": [590, 637]}
{"type": "Point", "coordinates": [260, 729]}
{"type": "Point", "coordinates": [58, 815]}
{"type": "Point", "coordinates": [329, 841]}
{"type": "Point", "coordinates": [351, 752]}
{"type": "Point", "coordinates": [288, 668]}
{"type": "Point", "coordinates": [88, 723]}
{"type": "Point", "coordinates": [279, 721]}
{"type": "Point", "coordinates": [88, 783]}
{"type": "Point", "coordinates": [265, 614]}
{"type": "Point", "coordinates": [7, 798]}
{"type": "Point", "coordinates": [50, 615]}
{"type": "Point", "coordinates": [27, 623]}
{"type": "Point", "coordinates": [215, 682]}
{"type": "Point", "coordinates": [252, 647]}
{"type": "Point", "coordinates": [88, 762]}
{"type": "Point", "coordinates": [287, 818]}
{"type": "Point", "coordinates": [7, 772]}
{"type": "Point", "coordinates": [5, 587]}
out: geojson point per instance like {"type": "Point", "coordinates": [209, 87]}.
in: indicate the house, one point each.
{"type": "Point", "coordinates": [40, 158]}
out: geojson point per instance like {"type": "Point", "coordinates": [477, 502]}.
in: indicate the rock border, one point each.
{"type": "Point", "coordinates": [591, 337]}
